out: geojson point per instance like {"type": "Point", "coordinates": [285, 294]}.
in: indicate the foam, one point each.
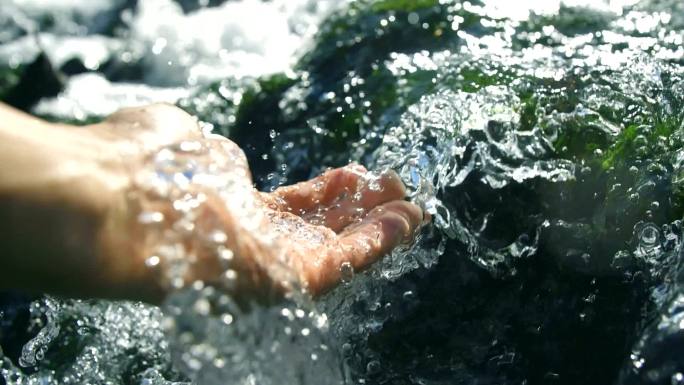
{"type": "Point", "coordinates": [238, 38]}
{"type": "Point", "coordinates": [80, 101]}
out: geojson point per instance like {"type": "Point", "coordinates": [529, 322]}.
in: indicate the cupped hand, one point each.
{"type": "Point", "coordinates": [189, 212]}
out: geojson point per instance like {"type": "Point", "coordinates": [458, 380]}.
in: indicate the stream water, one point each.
{"type": "Point", "coordinates": [545, 138]}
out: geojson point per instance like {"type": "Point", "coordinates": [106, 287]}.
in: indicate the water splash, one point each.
{"type": "Point", "coordinates": [447, 136]}
{"type": "Point", "coordinates": [479, 120]}
{"type": "Point", "coordinates": [214, 340]}
{"type": "Point", "coordinates": [34, 350]}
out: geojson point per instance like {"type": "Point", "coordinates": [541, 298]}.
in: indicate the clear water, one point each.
{"type": "Point", "coordinates": [544, 138]}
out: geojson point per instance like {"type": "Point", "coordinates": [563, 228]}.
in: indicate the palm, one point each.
{"type": "Point", "coordinates": [340, 219]}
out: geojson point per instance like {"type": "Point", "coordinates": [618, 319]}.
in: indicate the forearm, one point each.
{"type": "Point", "coordinates": [57, 209]}
{"type": "Point", "coordinates": [46, 246]}
{"type": "Point", "coordinates": [40, 160]}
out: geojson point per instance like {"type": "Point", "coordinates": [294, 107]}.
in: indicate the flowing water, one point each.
{"type": "Point", "coordinates": [545, 139]}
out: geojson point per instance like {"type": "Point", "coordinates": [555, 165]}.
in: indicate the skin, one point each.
{"type": "Point", "coordinates": [69, 209]}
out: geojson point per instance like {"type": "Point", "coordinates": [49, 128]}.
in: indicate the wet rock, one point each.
{"type": "Point", "coordinates": [194, 5]}
{"type": "Point", "coordinates": [73, 66]}
{"type": "Point", "coordinates": [38, 80]}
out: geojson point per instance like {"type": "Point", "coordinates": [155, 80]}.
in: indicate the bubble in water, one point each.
{"type": "Point", "coordinates": [649, 236]}
{"type": "Point", "coordinates": [373, 368]}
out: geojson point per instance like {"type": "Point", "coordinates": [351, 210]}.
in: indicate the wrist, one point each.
{"type": "Point", "coordinates": [103, 186]}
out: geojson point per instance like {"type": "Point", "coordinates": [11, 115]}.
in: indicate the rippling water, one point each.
{"type": "Point", "coordinates": [544, 138]}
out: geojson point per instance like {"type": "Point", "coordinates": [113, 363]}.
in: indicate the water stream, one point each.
{"type": "Point", "coordinates": [545, 139]}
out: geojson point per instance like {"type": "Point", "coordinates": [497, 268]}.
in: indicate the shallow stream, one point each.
{"type": "Point", "coordinates": [546, 139]}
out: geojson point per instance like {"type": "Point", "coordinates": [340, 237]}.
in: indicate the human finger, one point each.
{"type": "Point", "coordinates": [360, 245]}
{"type": "Point", "coordinates": [386, 188]}
{"type": "Point", "coordinates": [339, 196]}
{"type": "Point", "coordinates": [307, 196]}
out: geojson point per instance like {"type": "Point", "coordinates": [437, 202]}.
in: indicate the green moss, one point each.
{"type": "Point", "coordinates": [475, 76]}
{"type": "Point", "coordinates": [528, 115]}
{"type": "Point", "coordinates": [625, 147]}
{"type": "Point", "coordinates": [9, 77]}
{"type": "Point", "coordinates": [618, 151]}
{"type": "Point", "coordinates": [355, 38]}
{"type": "Point", "coordinates": [580, 138]}
{"type": "Point", "coordinates": [403, 5]}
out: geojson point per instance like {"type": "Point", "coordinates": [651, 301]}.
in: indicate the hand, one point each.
{"type": "Point", "coordinates": [184, 205]}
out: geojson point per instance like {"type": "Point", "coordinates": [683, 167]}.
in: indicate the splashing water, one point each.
{"type": "Point", "coordinates": [156, 43]}
{"type": "Point", "coordinates": [545, 144]}
{"type": "Point", "coordinates": [35, 349]}
{"type": "Point", "coordinates": [214, 338]}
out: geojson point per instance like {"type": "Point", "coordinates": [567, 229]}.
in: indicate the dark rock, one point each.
{"type": "Point", "coordinates": [73, 66]}
{"type": "Point", "coordinates": [193, 5]}
{"type": "Point", "coordinates": [38, 80]}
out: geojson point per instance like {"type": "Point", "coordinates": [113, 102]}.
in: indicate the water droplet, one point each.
{"type": "Point", "coordinates": [413, 18]}
{"type": "Point", "coordinates": [152, 261]}
{"type": "Point", "coordinates": [227, 319]}
{"type": "Point", "coordinates": [217, 237]}
{"type": "Point", "coordinates": [285, 312]}
{"type": "Point", "coordinates": [225, 254]}
{"type": "Point", "coordinates": [346, 272]}
{"type": "Point", "coordinates": [190, 146]}
{"type": "Point", "coordinates": [230, 278]}
{"type": "Point", "coordinates": [150, 217]}
{"type": "Point", "coordinates": [219, 363]}
{"type": "Point", "coordinates": [202, 306]}
{"type": "Point", "coordinates": [318, 186]}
